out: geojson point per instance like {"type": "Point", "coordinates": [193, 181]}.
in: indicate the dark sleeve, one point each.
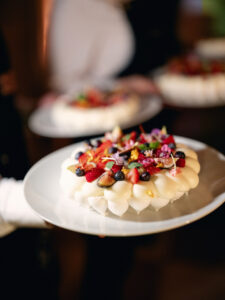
{"type": "Point", "coordinates": [4, 60]}
{"type": "Point", "coordinates": [154, 27]}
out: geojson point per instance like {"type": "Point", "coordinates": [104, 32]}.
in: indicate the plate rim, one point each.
{"type": "Point", "coordinates": [64, 133]}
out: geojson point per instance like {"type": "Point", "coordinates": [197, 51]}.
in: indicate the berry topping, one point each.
{"type": "Point", "coordinates": [98, 143]}
{"type": "Point", "coordinates": [129, 157]}
{"type": "Point", "coordinates": [93, 174]}
{"type": "Point", "coordinates": [106, 180]}
{"type": "Point", "coordinates": [80, 172]}
{"type": "Point", "coordinates": [78, 155]}
{"type": "Point", "coordinates": [168, 140]}
{"type": "Point", "coordinates": [179, 154]}
{"type": "Point", "coordinates": [112, 150]}
{"type": "Point", "coordinates": [119, 176]}
{"type": "Point", "coordinates": [116, 168]}
{"type": "Point", "coordinates": [145, 176]}
{"type": "Point", "coordinates": [181, 162]}
{"type": "Point", "coordinates": [133, 176]}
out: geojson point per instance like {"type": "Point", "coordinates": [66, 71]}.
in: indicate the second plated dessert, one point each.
{"type": "Point", "coordinates": [191, 81]}
{"type": "Point", "coordinates": [94, 109]}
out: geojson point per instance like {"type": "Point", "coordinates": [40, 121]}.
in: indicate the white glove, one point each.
{"type": "Point", "coordinates": [14, 210]}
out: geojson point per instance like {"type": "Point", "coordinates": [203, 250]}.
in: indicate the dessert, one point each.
{"type": "Point", "coordinates": [95, 109]}
{"type": "Point", "coordinates": [213, 48]}
{"type": "Point", "coordinates": [137, 170]}
{"type": "Point", "coordinates": [191, 81]}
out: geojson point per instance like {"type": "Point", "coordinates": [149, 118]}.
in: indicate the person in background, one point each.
{"type": "Point", "coordinates": [22, 269]}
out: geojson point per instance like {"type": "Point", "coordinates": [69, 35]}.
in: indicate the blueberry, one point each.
{"type": "Point", "coordinates": [80, 172]}
{"type": "Point", "coordinates": [172, 145]}
{"type": "Point", "coordinates": [98, 143]}
{"type": "Point", "coordinates": [179, 154]}
{"type": "Point", "coordinates": [88, 142]}
{"type": "Point", "coordinates": [146, 144]}
{"type": "Point", "coordinates": [143, 151]}
{"type": "Point", "coordinates": [78, 155]}
{"type": "Point", "coordinates": [145, 176]}
{"type": "Point", "coordinates": [112, 150]}
{"type": "Point", "coordinates": [125, 155]}
{"type": "Point", "coordinates": [119, 176]}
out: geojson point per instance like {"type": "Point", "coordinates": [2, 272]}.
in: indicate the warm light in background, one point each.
{"type": "Point", "coordinates": [46, 11]}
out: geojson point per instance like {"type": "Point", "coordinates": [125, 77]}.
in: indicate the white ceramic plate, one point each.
{"type": "Point", "coordinates": [43, 194]}
{"type": "Point", "coordinates": [40, 121]}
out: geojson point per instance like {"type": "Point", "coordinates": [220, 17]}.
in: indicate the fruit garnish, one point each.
{"type": "Point", "coordinates": [179, 154]}
{"type": "Point", "coordinates": [80, 172]}
{"type": "Point", "coordinates": [181, 162]}
{"type": "Point", "coordinates": [93, 174]}
{"type": "Point", "coordinates": [153, 170]}
{"type": "Point", "coordinates": [169, 140]}
{"type": "Point", "coordinates": [119, 176]}
{"type": "Point", "coordinates": [106, 180]}
{"type": "Point", "coordinates": [145, 176]}
{"type": "Point", "coordinates": [116, 168]}
{"type": "Point", "coordinates": [133, 176]}
{"type": "Point", "coordinates": [129, 157]}
{"type": "Point", "coordinates": [78, 155]}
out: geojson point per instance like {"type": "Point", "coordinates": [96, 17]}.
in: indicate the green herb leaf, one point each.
{"type": "Point", "coordinates": [154, 145]}
{"type": "Point", "coordinates": [134, 165]}
{"type": "Point", "coordinates": [126, 137]}
{"type": "Point", "coordinates": [143, 147]}
{"type": "Point", "coordinates": [109, 164]}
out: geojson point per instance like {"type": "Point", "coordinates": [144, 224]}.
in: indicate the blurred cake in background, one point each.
{"type": "Point", "coordinates": [193, 81]}
{"type": "Point", "coordinates": [95, 109]}
{"type": "Point", "coordinates": [213, 48]}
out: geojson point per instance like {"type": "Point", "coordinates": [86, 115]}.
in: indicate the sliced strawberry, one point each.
{"type": "Point", "coordinates": [181, 162]}
{"type": "Point", "coordinates": [100, 150]}
{"type": "Point", "coordinates": [153, 170]}
{"type": "Point", "coordinates": [169, 140]}
{"type": "Point", "coordinates": [101, 164]}
{"type": "Point", "coordinates": [133, 176]}
{"type": "Point", "coordinates": [116, 168]}
{"type": "Point", "coordinates": [133, 136]}
{"type": "Point", "coordinates": [93, 174]}
{"type": "Point", "coordinates": [83, 159]}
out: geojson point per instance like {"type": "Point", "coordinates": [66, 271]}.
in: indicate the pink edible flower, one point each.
{"type": "Point", "coordinates": [166, 148]}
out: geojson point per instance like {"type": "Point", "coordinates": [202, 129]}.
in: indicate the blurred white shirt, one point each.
{"type": "Point", "coordinates": [88, 40]}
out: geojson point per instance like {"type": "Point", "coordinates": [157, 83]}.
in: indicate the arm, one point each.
{"type": "Point", "coordinates": [14, 210]}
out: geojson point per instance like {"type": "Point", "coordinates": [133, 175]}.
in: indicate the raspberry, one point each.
{"type": "Point", "coordinates": [169, 140]}
{"type": "Point", "coordinates": [181, 162]}
{"type": "Point", "coordinates": [116, 168]}
{"type": "Point", "coordinates": [153, 170]}
{"type": "Point", "coordinates": [93, 174]}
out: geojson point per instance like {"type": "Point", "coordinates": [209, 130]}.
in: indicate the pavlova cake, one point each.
{"type": "Point", "coordinates": [213, 48]}
{"type": "Point", "coordinates": [95, 109]}
{"type": "Point", "coordinates": [137, 170]}
{"type": "Point", "coordinates": [191, 81]}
